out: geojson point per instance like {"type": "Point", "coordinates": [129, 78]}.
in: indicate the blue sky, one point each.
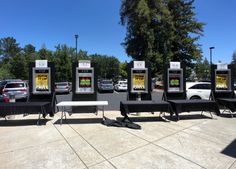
{"type": "Point", "coordinates": [53, 22]}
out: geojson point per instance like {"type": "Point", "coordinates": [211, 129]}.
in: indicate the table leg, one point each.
{"type": "Point", "coordinates": [211, 115]}
{"type": "Point", "coordinates": [65, 113]}
{"type": "Point", "coordinates": [39, 115]}
{"type": "Point", "coordinates": [103, 117]}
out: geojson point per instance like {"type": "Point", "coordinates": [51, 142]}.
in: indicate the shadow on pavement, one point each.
{"type": "Point", "coordinates": [189, 117]}
{"type": "Point", "coordinates": [227, 115]}
{"type": "Point", "coordinates": [79, 121]}
{"type": "Point", "coordinates": [23, 122]}
{"type": "Point", "coordinates": [144, 119]}
{"type": "Point", "coordinates": [230, 150]}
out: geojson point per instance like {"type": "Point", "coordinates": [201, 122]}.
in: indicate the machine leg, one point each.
{"type": "Point", "coordinates": [201, 113]}
{"type": "Point", "coordinates": [62, 114]}
{"type": "Point", "coordinates": [211, 115]}
{"type": "Point", "coordinates": [40, 115]}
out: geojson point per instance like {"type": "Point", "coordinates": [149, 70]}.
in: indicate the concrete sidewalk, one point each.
{"type": "Point", "coordinates": [83, 142]}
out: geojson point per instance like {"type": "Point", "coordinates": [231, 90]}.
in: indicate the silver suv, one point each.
{"type": "Point", "coordinates": [16, 88]}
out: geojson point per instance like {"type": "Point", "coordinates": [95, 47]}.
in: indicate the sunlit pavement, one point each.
{"type": "Point", "coordinates": [83, 142]}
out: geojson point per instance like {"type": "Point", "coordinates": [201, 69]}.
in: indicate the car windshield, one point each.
{"type": "Point", "coordinates": [123, 83]}
{"type": "Point", "coordinates": [14, 85]}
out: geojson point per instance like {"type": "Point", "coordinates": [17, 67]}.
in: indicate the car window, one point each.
{"type": "Point", "coordinates": [14, 85]}
{"type": "Point", "coordinates": [201, 86]}
{"type": "Point", "coordinates": [106, 82]}
{"type": "Point", "coordinates": [61, 84]}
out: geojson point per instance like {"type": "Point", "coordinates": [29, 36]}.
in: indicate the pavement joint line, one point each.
{"type": "Point", "coordinates": [232, 165]}
{"type": "Point", "coordinates": [136, 135]}
{"type": "Point", "coordinates": [139, 147]}
{"type": "Point", "coordinates": [179, 155]}
{"type": "Point", "coordinates": [176, 131]}
{"type": "Point", "coordinates": [91, 145]}
{"type": "Point", "coordinates": [100, 162]}
{"type": "Point", "coordinates": [71, 148]}
{"type": "Point", "coordinates": [202, 137]}
{"type": "Point", "coordinates": [28, 147]}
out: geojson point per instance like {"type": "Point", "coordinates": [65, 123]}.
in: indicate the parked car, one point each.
{"type": "Point", "coordinates": [121, 85]}
{"type": "Point", "coordinates": [16, 88]}
{"type": "Point", "coordinates": [106, 86]}
{"type": "Point", "coordinates": [62, 87]}
{"type": "Point", "coordinates": [198, 90]}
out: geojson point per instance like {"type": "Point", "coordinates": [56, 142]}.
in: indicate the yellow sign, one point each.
{"type": "Point", "coordinates": [42, 82]}
{"type": "Point", "coordinates": [221, 82]}
{"type": "Point", "coordinates": [139, 81]}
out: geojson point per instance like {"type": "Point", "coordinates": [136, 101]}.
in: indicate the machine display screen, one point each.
{"type": "Point", "coordinates": [174, 82]}
{"type": "Point", "coordinates": [139, 81]}
{"type": "Point", "coordinates": [85, 82]}
{"type": "Point", "coordinates": [42, 82]}
{"type": "Point", "coordinates": [222, 80]}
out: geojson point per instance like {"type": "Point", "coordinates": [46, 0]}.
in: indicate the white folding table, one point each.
{"type": "Point", "coordinates": [65, 104]}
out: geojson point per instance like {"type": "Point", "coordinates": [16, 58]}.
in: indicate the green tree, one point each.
{"type": "Point", "coordinates": [203, 70]}
{"type": "Point", "coordinates": [107, 66]}
{"type": "Point", "coordinates": [233, 62]}
{"type": "Point", "coordinates": [124, 69]}
{"type": "Point", "coordinates": [30, 55]}
{"type": "Point", "coordinates": [157, 31]}
{"type": "Point", "coordinates": [5, 71]}
{"type": "Point", "coordinates": [187, 30]}
{"type": "Point", "coordinates": [63, 62]}
{"type": "Point", "coordinates": [45, 54]}
{"type": "Point", "coordinates": [8, 48]}
{"type": "Point", "coordinates": [18, 67]}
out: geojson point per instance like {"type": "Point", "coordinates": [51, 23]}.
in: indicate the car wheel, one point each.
{"type": "Point", "coordinates": [195, 98]}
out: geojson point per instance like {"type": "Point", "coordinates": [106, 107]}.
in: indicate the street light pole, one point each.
{"type": "Point", "coordinates": [76, 38]}
{"type": "Point", "coordinates": [211, 54]}
{"type": "Point", "coordinates": [211, 59]}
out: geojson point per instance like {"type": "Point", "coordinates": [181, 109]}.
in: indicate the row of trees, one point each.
{"type": "Point", "coordinates": [14, 61]}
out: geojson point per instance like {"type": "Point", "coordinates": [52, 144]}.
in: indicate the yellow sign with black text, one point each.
{"type": "Point", "coordinates": [139, 81]}
{"type": "Point", "coordinates": [221, 82]}
{"type": "Point", "coordinates": [42, 80]}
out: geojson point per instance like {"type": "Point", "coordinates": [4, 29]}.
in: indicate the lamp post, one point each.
{"type": "Point", "coordinates": [211, 54]}
{"type": "Point", "coordinates": [76, 38]}
{"type": "Point", "coordinates": [211, 59]}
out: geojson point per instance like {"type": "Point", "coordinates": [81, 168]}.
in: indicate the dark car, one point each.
{"type": "Point", "coordinates": [106, 86]}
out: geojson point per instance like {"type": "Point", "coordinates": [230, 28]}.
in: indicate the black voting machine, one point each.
{"type": "Point", "coordinates": [223, 87]}
{"type": "Point", "coordinates": [139, 98]}
{"type": "Point", "coordinates": [41, 85]}
{"type": "Point", "coordinates": [84, 85]}
{"type": "Point", "coordinates": [175, 92]}
{"type": "Point", "coordinates": [41, 93]}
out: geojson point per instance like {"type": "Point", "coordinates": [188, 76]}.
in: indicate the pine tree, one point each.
{"type": "Point", "coordinates": [161, 30]}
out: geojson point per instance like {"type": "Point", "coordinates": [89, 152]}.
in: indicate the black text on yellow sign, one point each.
{"type": "Point", "coordinates": [139, 81]}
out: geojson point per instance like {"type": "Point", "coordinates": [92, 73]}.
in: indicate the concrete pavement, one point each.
{"type": "Point", "coordinates": [83, 142]}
